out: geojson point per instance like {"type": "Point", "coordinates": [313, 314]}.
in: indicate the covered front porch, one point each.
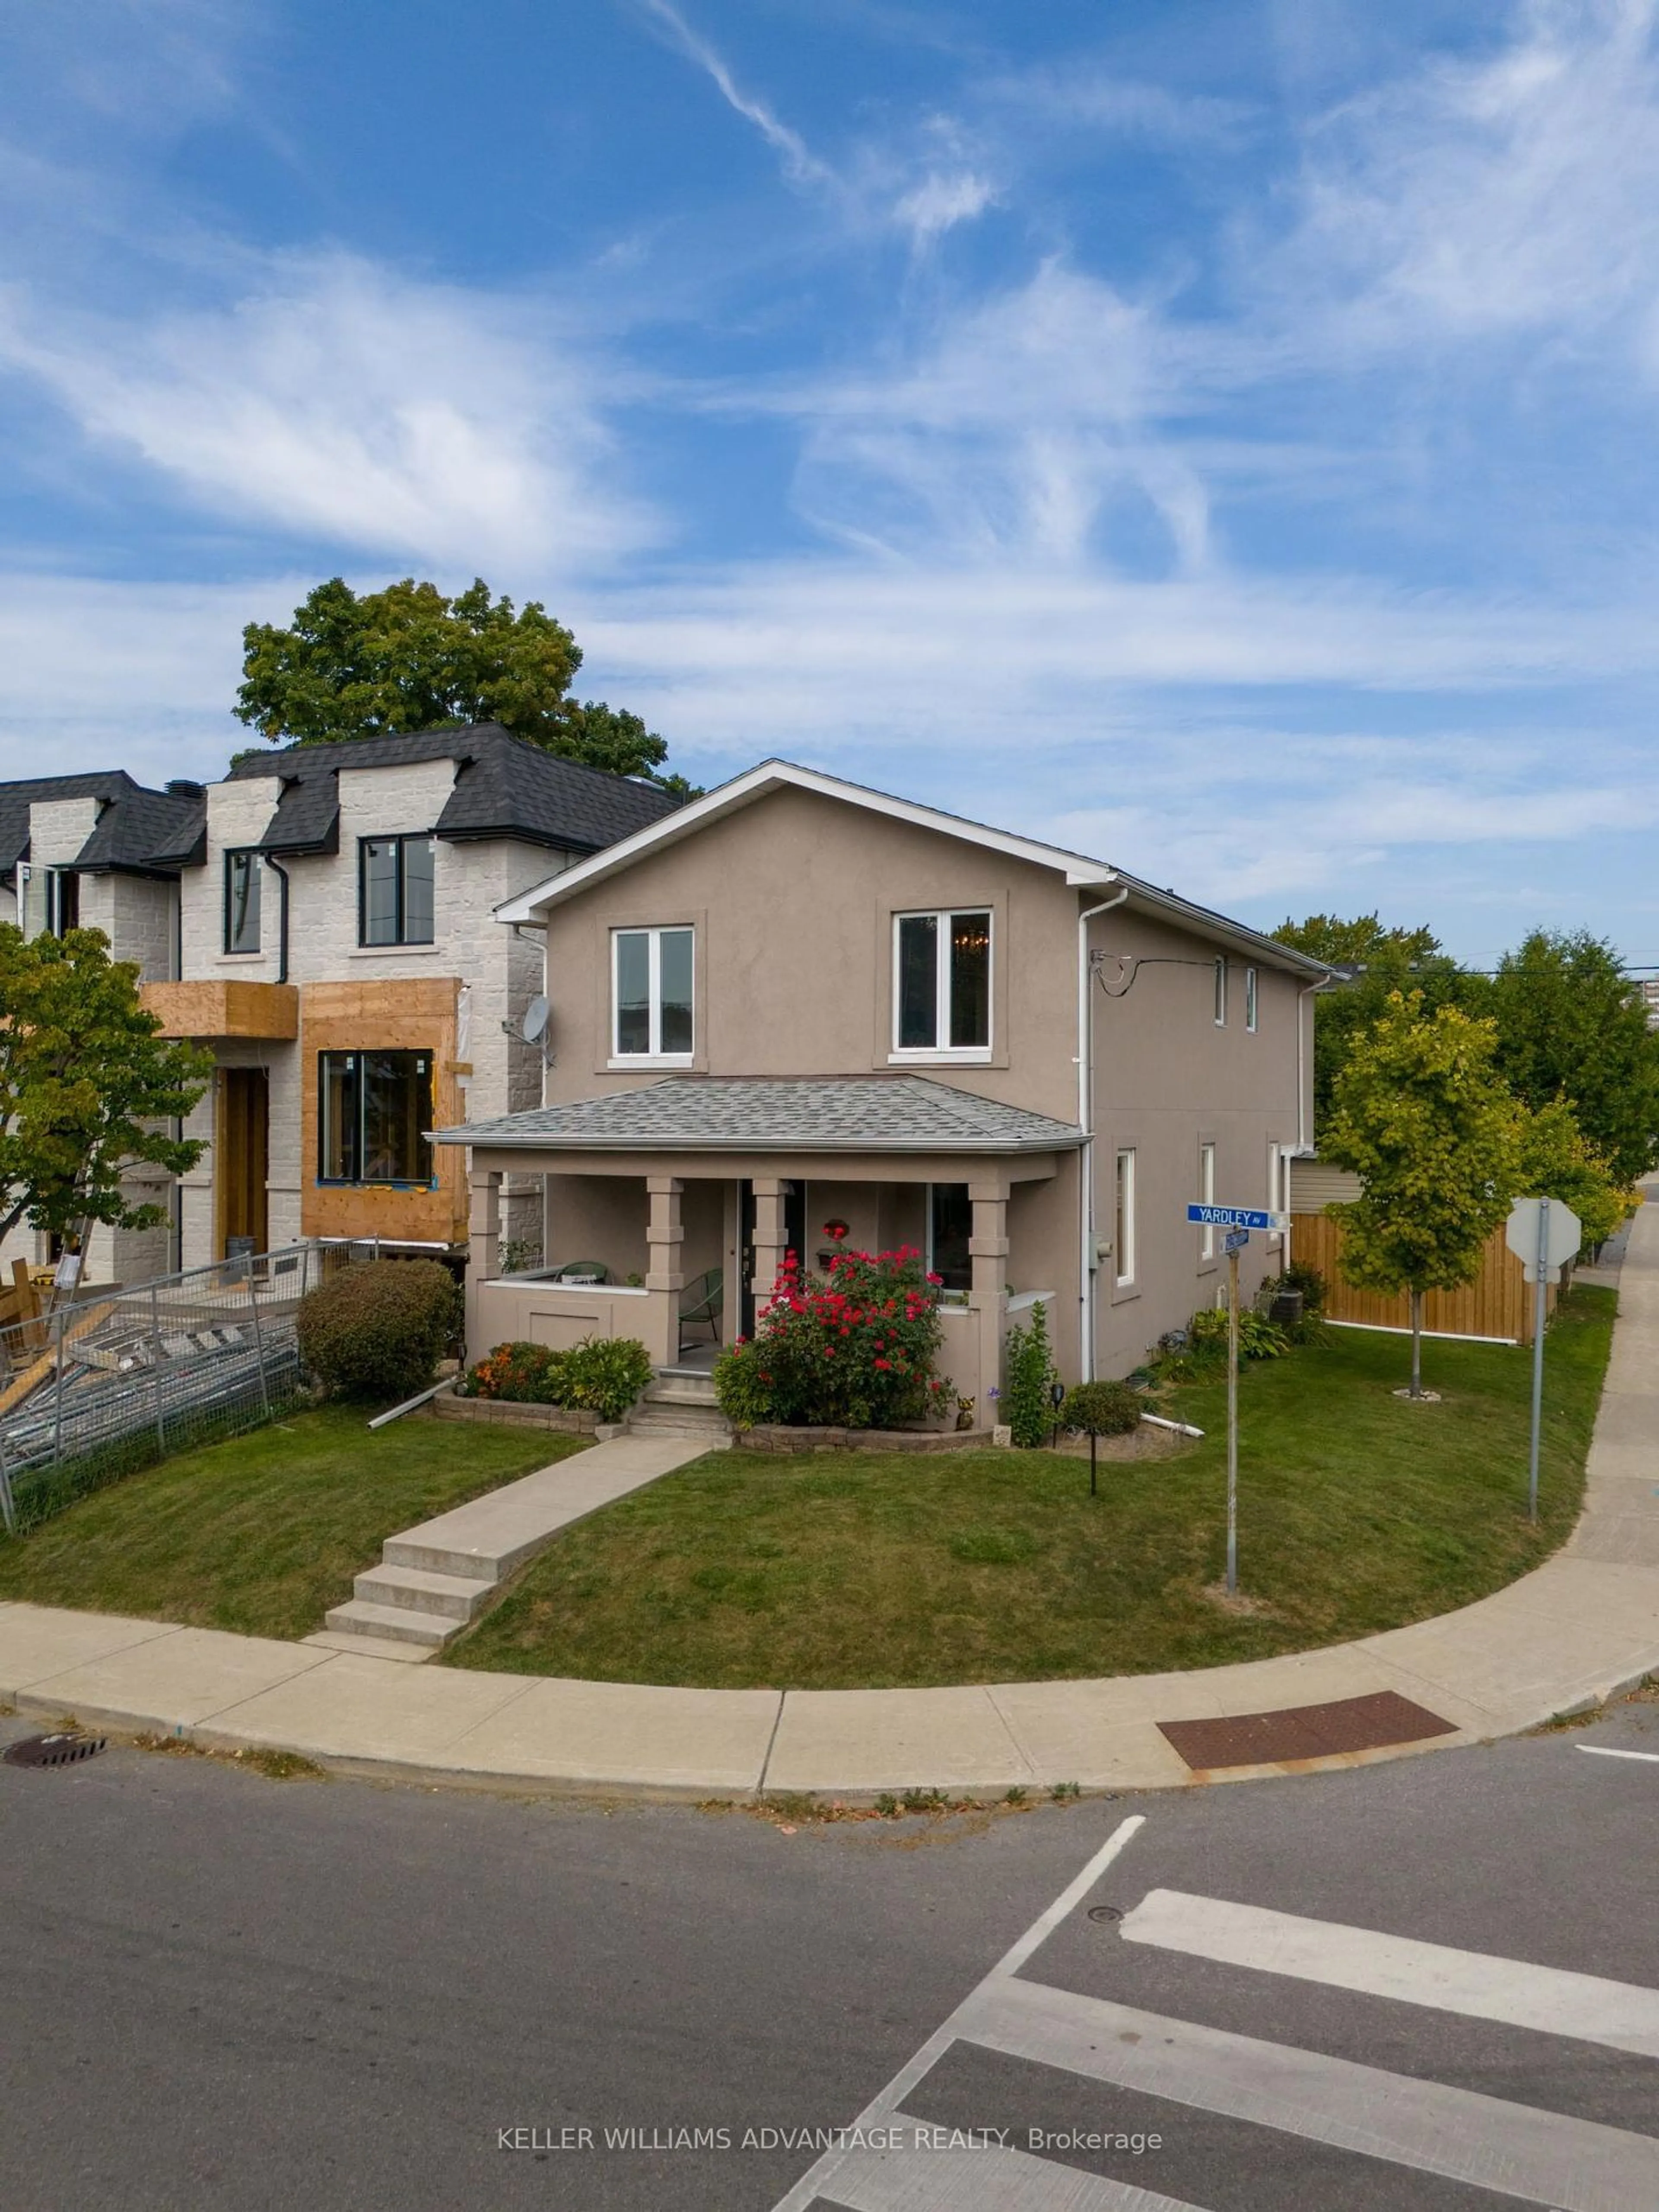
{"type": "Point", "coordinates": [679, 1244]}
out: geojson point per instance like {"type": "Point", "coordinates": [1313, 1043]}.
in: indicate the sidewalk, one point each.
{"type": "Point", "coordinates": [1577, 1630]}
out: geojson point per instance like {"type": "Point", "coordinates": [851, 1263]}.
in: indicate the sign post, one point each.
{"type": "Point", "coordinates": [1237, 1221]}
{"type": "Point", "coordinates": [1544, 1234]}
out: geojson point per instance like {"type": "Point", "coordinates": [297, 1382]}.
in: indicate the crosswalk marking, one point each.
{"type": "Point", "coordinates": [982, 2181]}
{"type": "Point", "coordinates": [1548, 1998]}
{"type": "Point", "coordinates": [1550, 2158]}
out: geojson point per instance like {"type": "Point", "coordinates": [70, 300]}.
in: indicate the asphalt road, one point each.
{"type": "Point", "coordinates": [218, 1991]}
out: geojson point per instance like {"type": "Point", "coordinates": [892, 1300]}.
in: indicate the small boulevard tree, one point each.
{"type": "Point", "coordinates": [1420, 1114]}
{"type": "Point", "coordinates": [88, 1084]}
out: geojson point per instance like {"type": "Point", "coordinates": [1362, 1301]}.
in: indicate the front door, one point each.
{"type": "Point", "coordinates": [243, 1158]}
{"type": "Point", "coordinates": [794, 1235]}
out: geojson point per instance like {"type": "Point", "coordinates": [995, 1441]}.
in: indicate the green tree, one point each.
{"type": "Point", "coordinates": [1557, 1161]}
{"type": "Point", "coordinates": [1421, 1115]}
{"type": "Point", "coordinates": [408, 658]}
{"type": "Point", "coordinates": [88, 1084]}
{"type": "Point", "coordinates": [1572, 1025]}
{"type": "Point", "coordinates": [1382, 961]}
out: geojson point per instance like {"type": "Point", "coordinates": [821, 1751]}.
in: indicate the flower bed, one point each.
{"type": "Point", "coordinates": [775, 1436]}
{"type": "Point", "coordinates": [603, 1375]}
{"type": "Point", "coordinates": [569, 1420]}
{"type": "Point", "coordinates": [853, 1349]}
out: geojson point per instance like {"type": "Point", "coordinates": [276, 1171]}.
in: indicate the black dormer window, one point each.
{"type": "Point", "coordinates": [395, 889]}
{"type": "Point", "coordinates": [242, 886]}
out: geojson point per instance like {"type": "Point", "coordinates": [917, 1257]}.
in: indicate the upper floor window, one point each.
{"type": "Point", "coordinates": [1249, 998]}
{"type": "Point", "coordinates": [63, 901]}
{"type": "Point", "coordinates": [1221, 994]}
{"type": "Point", "coordinates": [394, 890]}
{"type": "Point", "coordinates": [651, 973]}
{"type": "Point", "coordinates": [242, 878]}
{"type": "Point", "coordinates": [942, 982]}
{"type": "Point", "coordinates": [375, 1109]}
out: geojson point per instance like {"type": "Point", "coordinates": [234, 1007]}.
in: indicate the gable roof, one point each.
{"type": "Point", "coordinates": [137, 831]}
{"type": "Point", "coordinates": [1077, 869]}
{"type": "Point", "coordinates": [813, 1114]}
{"type": "Point", "coordinates": [504, 787]}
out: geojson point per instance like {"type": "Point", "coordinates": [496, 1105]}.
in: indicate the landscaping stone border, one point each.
{"type": "Point", "coordinates": [572, 1420]}
{"type": "Point", "coordinates": [775, 1436]}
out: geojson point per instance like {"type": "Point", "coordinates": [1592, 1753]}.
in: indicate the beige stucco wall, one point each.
{"type": "Point", "coordinates": [792, 900]}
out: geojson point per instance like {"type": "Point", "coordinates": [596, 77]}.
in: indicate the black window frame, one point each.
{"type": "Point", "coordinates": [402, 840]}
{"type": "Point", "coordinates": [423, 1069]}
{"type": "Point", "coordinates": [249, 854]}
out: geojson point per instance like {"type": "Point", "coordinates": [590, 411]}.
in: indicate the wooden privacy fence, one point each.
{"type": "Point", "coordinates": [1498, 1302]}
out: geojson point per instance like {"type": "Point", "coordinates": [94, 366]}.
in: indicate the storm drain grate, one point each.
{"type": "Point", "coordinates": [1367, 1724]}
{"type": "Point", "coordinates": [61, 1750]}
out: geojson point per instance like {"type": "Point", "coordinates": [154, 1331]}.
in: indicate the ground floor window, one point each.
{"type": "Point", "coordinates": [374, 1110]}
{"type": "Point", "coordinates": [949, 1225]}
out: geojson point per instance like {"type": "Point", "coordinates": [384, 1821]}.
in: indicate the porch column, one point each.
{"type": "Point", "coordinates": [483, 1253]}
{"type": "Point", "coordinates": [988, 1249]}
{"type": "Point", "coordinates": [665, 1277]}
{"type": "Point", "coordinates": [771, 1237]}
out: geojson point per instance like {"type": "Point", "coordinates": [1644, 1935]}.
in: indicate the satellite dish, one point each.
{"type": "Point", "coordinates": [534, 1026]}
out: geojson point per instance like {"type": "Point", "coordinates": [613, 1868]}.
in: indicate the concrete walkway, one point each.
{"type": "Point", "coordinates": [1579, 1629]}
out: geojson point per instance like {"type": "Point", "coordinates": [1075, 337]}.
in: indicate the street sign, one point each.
{"type": "Point", "coordinates": [1234, 1240]}
{"type": "Point", "coordinates": [1557, 1237]}
{"type": "Point", "coordinates": [1236, 1216]}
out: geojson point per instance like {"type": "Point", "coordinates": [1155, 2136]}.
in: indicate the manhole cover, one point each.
{"type": "Point", "coordinates": [61, 1750]}
{"type": "Point", "coordinates": [1105, 1912]}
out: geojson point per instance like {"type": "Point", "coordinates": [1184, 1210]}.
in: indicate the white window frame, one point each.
{"type": "Point", "coordinates": [1221, 991]}
{"type": "Point", "coordinates": [967, 1055]}
{"type": "Point", "coordinates": [1251, 1004]}
{"type": "Point", "coordinates": [1206, 1197]}
{"type": "Point", "coordinates": [1123, 1217]}
{"type": "Point", "coordinates": [653, 934]}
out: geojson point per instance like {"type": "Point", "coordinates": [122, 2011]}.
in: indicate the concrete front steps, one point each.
{"type": "Point", "coordinates": [681, 1403]}
{"type": "Point", "coordinates": [433, 1580]}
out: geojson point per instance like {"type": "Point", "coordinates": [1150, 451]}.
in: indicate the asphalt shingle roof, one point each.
{"type": "Point", "coordinates": [818, 1114]}
{"type": "Point", "coordinates": [136, 829]}
{"type": "Point", "coordinates": [504, 787]}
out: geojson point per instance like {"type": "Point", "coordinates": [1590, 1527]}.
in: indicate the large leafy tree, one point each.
{"type": "Point", "coordinates": [1572, 1025]}
{"type": "Point", "coordinates": [408, 658]}
{"type": "Point", "coordinates": [1556, 1161]}
{"type": "Point", "coordinates": [1422, 1116]}
{"type": "Point", "coordinates": [1376, 962]}
{"type": "Point", "coordinates": [88, 1084]}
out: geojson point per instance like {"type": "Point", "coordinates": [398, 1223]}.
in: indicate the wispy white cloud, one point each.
{"type": "Point", "coordinates": [340, 400]}
{"type": "Point", "coordinates": [799, 163]}
{"type": "Point", "coordinates": [1085, 93]}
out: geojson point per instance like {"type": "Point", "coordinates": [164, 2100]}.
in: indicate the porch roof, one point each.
{"type": "Point", "coordinates": [818, 1113]}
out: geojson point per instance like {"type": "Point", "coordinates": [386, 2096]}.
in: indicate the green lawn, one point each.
{"type": "Point", "coordinates": [1357, 1512]}
{"type": "Point", "coordinates": [264, 1533]}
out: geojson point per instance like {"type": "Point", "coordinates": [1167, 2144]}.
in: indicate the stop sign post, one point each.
{"type": "Point", "coordinates": [1544, 1234]}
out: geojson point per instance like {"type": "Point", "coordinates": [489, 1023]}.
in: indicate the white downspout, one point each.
{"type": "Point", "coordinates": [1085, 1089]}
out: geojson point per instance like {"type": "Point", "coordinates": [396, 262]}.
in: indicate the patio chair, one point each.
{"type": "Point", "coordinates": [702, 1303]}
{"type": "Point", "coordinates": [581, 1271]}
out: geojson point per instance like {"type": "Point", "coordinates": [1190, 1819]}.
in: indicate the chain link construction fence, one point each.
{"type": "Point", "coordinates": [99, 1388]}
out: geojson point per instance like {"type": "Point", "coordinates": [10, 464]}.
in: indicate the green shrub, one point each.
{"type": "Point", "coordinates": [1027, 1406]}
{"type": "Point", "coordinates": [377, 1331]}
{"type": "Point", "coordinates": [1258, 1337]}
{"type": "Point", "coordinates": [1103, 1409]}
{"type": "Point", "coordinates": [524, 1373]}
{"type": "Point", "coordinates": [1299, 1276]}
{"type": "Point", "coordinates": [602, 1375]}
{"type": "Point", "coordinates": [747, 1397]}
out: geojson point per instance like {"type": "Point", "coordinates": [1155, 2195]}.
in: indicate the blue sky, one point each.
{"type": "Point", "coordinates": [1220, 438]}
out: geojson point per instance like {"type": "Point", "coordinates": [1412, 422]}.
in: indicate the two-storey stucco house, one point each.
{"type": "Point", "coordinates": [99, 851]}
{"type": "Point", "coordinates": [338, 952]}
{"type": "Point", "coordinates": [796, 1002]}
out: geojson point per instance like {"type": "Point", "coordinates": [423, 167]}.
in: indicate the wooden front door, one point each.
{"type": "Point", "coordinates": [243, 1156]}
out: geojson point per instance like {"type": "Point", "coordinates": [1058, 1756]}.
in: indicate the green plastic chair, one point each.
{"type": "Point", "coordinates": [585, 1271]}
{"type": "Point", "coordinates": [702, 1303]}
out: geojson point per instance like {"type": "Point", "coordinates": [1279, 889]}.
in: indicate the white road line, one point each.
{"type": "Point", "coordinates": [1516, 2150]}
{"type": "Point", "coordinates": [1607, 1751]}
{"type": "Point", "coordinates": [887, 2100]}
{"type": "Point", "coordinates": [983, 2181]}
{"type": "Point", "coordinates": [1548, 1998]}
